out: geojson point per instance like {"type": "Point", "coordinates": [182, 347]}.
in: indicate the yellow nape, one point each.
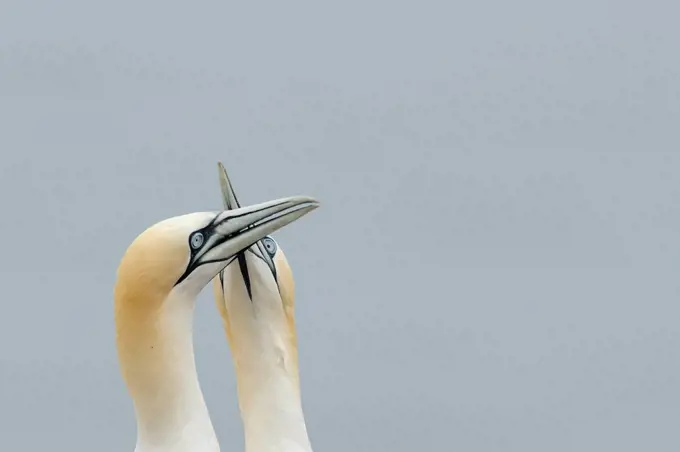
{"type": "Point", "coordinates": [147, 273]}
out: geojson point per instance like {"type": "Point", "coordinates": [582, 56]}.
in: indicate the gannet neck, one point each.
{"type": "Point", "coordinates": [271, 411]}
{"type": "Point", "coordinates": [156, 354]}
{"type": "Point", "coordinates": [261, 335]}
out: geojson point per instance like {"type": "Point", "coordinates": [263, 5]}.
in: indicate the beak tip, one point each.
{"type": "Point", "coordinates": [312, 204]}
{"type": "Point", "coordinates": [309, 200]}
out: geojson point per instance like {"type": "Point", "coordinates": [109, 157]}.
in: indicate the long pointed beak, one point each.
{"type": "Point", "coordinates": [230, 201]}
{"type": "Point", "coordinates": [235, 230]}
{"type": "Point", "coordinates": [228, 196]}
{"type": "Point", "coordinates": [246, 225]}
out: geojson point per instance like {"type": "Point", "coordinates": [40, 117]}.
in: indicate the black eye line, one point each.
{"type": "Point", "coordinates": [245, 273]}
{"type": "Point", "coordinates": [211, 261]}
{"type": "Point", "coordinates": [265, 252]}
{"type": "Point", "coordinates": [193, 267]}
{"type": "Point", "coordinates": [206, 231]}
{"type": "Point", "coordinates": [207, 234]}
{"type": "Point", "coordinates": [221, 274]}
{"type": "Point", "coordinates": [254, 253]}
{"type": "Point", "coordinates": [258, 256]}
{"type": "Point", "coordinates": [269, 262]}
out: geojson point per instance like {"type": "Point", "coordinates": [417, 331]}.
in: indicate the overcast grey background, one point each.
{"type": "Point", "coordinates": [494, 265]}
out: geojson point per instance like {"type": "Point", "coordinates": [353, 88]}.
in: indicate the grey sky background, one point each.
{"type": "Point", "coordinates": [494, 265]}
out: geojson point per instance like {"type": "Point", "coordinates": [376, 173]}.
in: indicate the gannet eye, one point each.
{"type": "Point", "coordinates": [269, 245]}
{"type": "Point", "coordinates": [196, 240]}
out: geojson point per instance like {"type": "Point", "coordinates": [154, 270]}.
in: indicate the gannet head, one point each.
{"type": "Point", "coordinates": [255, 295]}
{"type": "Point", "coordinates": [184, 253]}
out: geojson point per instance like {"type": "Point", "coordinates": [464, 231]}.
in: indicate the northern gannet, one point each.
{"type": "Point", "coordinates": [255, 297]}
{"type": "Point", "coordinates": [158, 279]}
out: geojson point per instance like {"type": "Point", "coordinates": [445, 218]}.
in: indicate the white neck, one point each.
{"type": "Point", "coordinates": [270, 403]}
{"type": "Point", "coordinates": [272, 415]}
{"type": "Point", "coordinates": [171, 413]}
{"type": "Point", "coordinates": [266, 373]}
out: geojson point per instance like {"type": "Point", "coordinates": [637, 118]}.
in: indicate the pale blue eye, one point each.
{"type": "Point", "coordinates": [269, 245]}
{"type": "Point", "coordinates": [196, 240]}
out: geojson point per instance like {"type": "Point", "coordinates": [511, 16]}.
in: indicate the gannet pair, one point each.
{"type": "Point", "coordinates": [158, 280]}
